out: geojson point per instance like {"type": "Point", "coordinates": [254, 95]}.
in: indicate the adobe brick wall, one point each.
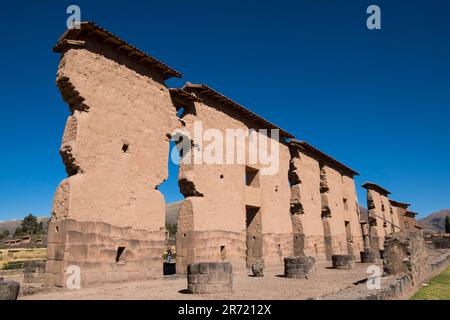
{"type": "Point", "coordinates": [319, 214]}
{"type": "Point", "coordinates": [377, 231]}
{"type": "Point", "coordinates": [333, 210]}
{"type": "Point", "coordinates": [351, 214]}
{"type": "Point", "coordinates": [306, 205]}
{"type": "Point", "coordinates": [213, 215]}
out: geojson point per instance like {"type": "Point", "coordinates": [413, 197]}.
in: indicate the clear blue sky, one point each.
{"type": "Point", "coordinates": [378, 101]}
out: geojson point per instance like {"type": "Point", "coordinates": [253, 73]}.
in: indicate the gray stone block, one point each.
{"type": "Point", "coordinates": [9, 290]}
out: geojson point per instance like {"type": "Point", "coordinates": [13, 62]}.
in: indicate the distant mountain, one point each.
{"type": "Point", "coordinates": [172, 210]}
{"type": "Point", "coordinates": [435, 222]}
{"type": "Point", "coordinates": [11, 225]}
{"type": "Point", "coordinates": [364, 214]}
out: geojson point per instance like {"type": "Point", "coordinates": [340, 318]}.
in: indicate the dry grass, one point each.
{"type": "Point", "coordinates": [11, 255]}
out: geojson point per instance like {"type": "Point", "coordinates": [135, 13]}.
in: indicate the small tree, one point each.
{"type": "Point", "coordinates": [172, 228]}
{"type": "Point", "coordinates": [18, 233]}
{"type": "Point", "coordinates": [447, 224]}
{"type": "Point", "coordinates": [30, 225]}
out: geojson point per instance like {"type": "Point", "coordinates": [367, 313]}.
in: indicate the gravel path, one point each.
{"type": "Point", "coordinates": [272, 287]}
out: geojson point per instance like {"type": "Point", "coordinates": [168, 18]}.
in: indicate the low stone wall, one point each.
{"type": "Point", "coordinates": [34, 271]}
{"type": "Point", "coordinates": [210, 277]}
{"type": "Point", "coordinates": [299, 267]}
{"type": "Point", "coordinates": [391, 287]}
{"type": "Point", "coordinates": [440, 261]}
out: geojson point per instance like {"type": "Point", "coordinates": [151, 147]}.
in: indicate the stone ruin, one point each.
{"type": "Point", "coordinates": [407, 252]}
{"type": "Point", "coordinates": [108, 216]}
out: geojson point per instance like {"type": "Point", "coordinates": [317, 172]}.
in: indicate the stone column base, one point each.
{"type": "Point", "coordinates": [210, 277]}
{"type": "Point", "coordinates": [299, 267]}
{"type": "Point", "coordinates": [342, 261]}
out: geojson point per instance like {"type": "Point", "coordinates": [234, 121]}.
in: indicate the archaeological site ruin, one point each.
{"type": "Point", "coordinates": [108, 216]}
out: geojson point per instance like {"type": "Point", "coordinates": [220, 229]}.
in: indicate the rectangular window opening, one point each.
{"type": "Point", "coordinates": [252, 177]}
{"type": "Point", "coordinates": [120, 256]}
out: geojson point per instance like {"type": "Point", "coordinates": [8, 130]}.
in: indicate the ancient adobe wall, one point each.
{"type": "Point", "coordinates": [306, 205]}
{"type": "Point", "coordinates": [377, 231]}
{"type": "Point", "coordinates": [333, 211]}
{"type": "Point", "coordinates": [386, 212]}
{"type": "Point", "coordinates": [212, 221]}
{"type": "Point", "coordinates": [107, 216]}
{"type": "Point", "coordinates": [397, 213]}
{"type": "Point", "coordinates": [351, 216]}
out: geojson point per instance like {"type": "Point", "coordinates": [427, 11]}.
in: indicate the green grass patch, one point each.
{"type": "Point", "coordinates": [438, 289]}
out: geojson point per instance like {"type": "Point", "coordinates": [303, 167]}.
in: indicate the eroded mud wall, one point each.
{"type": "Point", "coordinates": [378, 226]}
{"type": "Point", "coordinates": [306, 205]}
{"type": "Point", "coordinates": [217, 197]}
{"type": "Point", "coordinates": [333, 217]}
{"type": "Point", "coordinates": [108, 216]}
{"type": "Point", "coordinates": [351, 216]}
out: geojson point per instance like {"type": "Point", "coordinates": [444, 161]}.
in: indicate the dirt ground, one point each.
{"type": "Point", "coordinates": [273, 286]}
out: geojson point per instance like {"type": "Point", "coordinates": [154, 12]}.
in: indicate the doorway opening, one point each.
{"type": "Point", "coordinates": [173, 202]}
{"type": "Point", "coordinates": [254, 235]}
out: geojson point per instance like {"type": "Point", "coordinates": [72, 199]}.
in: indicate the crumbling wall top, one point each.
{"type": "Point", "coordinates": [399, 204]}
{"type": "Point", "coordinates": [377, 188]}
{"type": "Point", "coordinates": [89, 30]}
{"type": "Point", "coordinates": [202, 91]}
{"type": "Point", "coordinates": [323, 157]}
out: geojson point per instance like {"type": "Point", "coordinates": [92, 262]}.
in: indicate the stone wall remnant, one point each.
{"type": "Point", "coordinates": [407, 252]}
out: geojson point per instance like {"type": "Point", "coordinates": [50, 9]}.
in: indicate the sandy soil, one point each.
{"type": "Point", "coordinates": [273, 286]}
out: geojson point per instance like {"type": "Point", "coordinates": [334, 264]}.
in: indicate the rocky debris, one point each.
{"type": "Point", "coordinates": [301, 267]}
{"type": "Point", "coordinates": [344, 262]}
{"type": "Point", "coordinates": [9, 290]}
{"type": "Point", "coordinates": [258, 269]}
{"type": "Point", "coordinates": [210, 277]}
